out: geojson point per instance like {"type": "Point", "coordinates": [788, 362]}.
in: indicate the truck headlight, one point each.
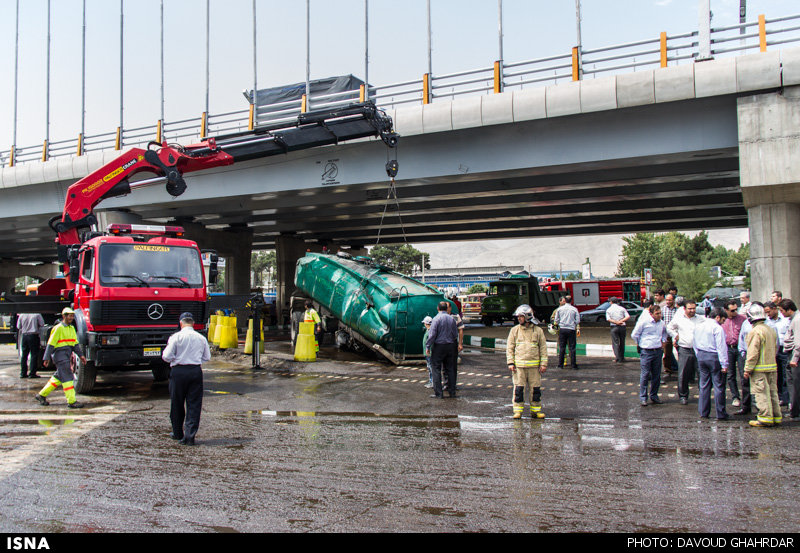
{"type": "Point", "coordinates": [110, 340]}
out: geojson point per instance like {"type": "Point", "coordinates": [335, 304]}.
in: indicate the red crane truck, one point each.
{"type": "Point", "coordinates": [129, 284]}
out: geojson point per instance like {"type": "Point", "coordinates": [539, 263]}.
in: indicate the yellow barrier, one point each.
{"type": "Point", "coordinates": [229, 337]}
{"type": "Point", "coordinates": [248, 342]}
{"type": "Point", "coordinates": [221, 324]}
{"type": "Point", "coordinates": [212, 327]}
{"type": "Point", "coordinates": [306, 348]}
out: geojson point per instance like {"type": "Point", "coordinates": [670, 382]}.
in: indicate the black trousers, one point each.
{"type": "Point", "coordinates": [29, 355]}
{"type": "Point", "coordinates": [687, 367]}
{"type": "Point", "coordinates": [186, 400]}
{"type": "Point", "coordinates": [567, 338]}
{"type": "Point", "coordinates": [444, 358]}
{"type": "Point", "coordinates": [618, 334]}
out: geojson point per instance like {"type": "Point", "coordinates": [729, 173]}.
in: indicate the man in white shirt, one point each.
{"type": "Point", "coordinates": [568, 319]}
{"type": "Point", "coordinates": [712, 363]}
{"type": "Point", "coordinates": [618, 316]}
{"type": "Point", "coordinates": [682, 331]}
{"type": "Point", "coordinates": [744, 302]}
{"type": "Point", "coordinates": [185, 352]}
{"type": "Point", "coordinates": [650, 335]}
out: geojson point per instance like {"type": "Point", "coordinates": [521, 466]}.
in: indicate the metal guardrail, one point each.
{"type": "Point", "coordinates": [645, 54]}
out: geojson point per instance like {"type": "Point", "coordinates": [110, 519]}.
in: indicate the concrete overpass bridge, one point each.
{"type": "Point", "coordinates": [705, 145]}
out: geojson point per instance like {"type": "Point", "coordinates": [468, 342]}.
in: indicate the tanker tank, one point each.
{"type": "Point", "coordinates": [373, 305]}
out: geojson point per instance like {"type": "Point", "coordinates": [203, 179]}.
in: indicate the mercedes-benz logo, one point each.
{"type": "Point", "coordinates": [155, 311]}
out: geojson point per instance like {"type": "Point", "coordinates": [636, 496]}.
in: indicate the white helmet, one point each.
{"type": "Point", "coordinates": [756, 313]}
{"type": "Point", "coordinates": [552, 329]}
{"type": "Point", "coordinates": [427, 320]}
{"type": "Point", "coordinates": [525, 310]}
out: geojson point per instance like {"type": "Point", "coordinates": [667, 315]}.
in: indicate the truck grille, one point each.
{"type": "Point", "coordinates": [103, 312]}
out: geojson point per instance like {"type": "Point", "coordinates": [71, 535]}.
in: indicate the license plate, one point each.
{"type": "Point", "coordinates": [152, 352]}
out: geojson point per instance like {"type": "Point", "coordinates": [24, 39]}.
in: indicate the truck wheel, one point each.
{"type": "Point", "coordinates": [86, 374]}
{"type": "Point", "coordinates": [161, 373]}
{"type": "Point", "coordinates": [487, 321]}
{"type": "Point", "coordinates": [297, 318]}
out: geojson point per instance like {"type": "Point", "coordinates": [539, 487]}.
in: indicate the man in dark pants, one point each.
{"type": "Point", "coordinates": [28, 325]}
{"type": "Point", "coordinates": [442, 347]}
{"type": "Point", "coordinates": [185, 352]}
{"type": "Point", "coordinates": [568, 320]}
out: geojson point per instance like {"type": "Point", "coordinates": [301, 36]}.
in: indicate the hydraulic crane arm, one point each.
{"type": "Point", "coordinates": [170, 162]}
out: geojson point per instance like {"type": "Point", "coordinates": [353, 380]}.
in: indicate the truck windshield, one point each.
{"type": "Point", "coordinates": [150, 265]}
{"type": "Point", "coordinates": [503, 290]}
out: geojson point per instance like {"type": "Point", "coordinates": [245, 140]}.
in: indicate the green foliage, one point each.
{"type": "Point", "coordinates": [693, 280]}
{"type": "Point", "coordinates": [402, 259]}
{"type": "Point", "coordinates": [477, 289]}
{"type": "Point", "coordinates": [261, 263]}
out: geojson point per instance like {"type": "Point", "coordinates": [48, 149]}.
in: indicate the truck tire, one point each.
{"type": "Point", "coordinates": [487, 321]}
{"type": "Point", "coordinates": [297, 318]}
{"type": "Point", "coordinates": [161, 372]}
{"type": "Point", "coordinates": [86, 374]}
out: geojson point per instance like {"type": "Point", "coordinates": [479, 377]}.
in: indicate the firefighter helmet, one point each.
{"type": "Point", "coordinates": [524, 310]}
{"type": "Point", "coordinates": [756, 313]}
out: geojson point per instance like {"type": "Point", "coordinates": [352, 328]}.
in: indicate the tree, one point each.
{"type": "Point", "coordinates": [477, 289]}
{"type": "Point", "coordinates": [659, 253]}
{"type": "Point", "coordinates": [402, 259]}
{"type": "Point", "coordinates": [261, 263]}
{"type": "Point", "coordinates": [693, 280]}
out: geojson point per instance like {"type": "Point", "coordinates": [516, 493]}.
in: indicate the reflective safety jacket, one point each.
{"type": "Point", "coordinates": [761, 349]}
{"type": "Point", "coordinates": [62, 342]}
{"type": "Point", "coordinates": [526, 347]}
{"type": "Point", "coordinates": [311, 316]}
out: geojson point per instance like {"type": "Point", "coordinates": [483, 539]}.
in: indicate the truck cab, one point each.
{"type": "Point", "coordinates": [131, 286]}
{"type": "Point", "coordinates": [505, 295]}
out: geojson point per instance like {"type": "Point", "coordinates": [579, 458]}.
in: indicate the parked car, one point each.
{"type": "Point", "coordinates": [721, 295]}
{"type": "Point", "coordinates": [598, 314]}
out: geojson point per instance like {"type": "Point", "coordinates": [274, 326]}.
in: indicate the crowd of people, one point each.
{"type": "Point", "coordinates": [745, 347]}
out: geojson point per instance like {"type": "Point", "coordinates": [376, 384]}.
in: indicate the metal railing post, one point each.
{"type": "Point", "coordinates": [426, 88]}
{"type": "Point", "coordinates": [576, 72]}
{"type": "Point", "coordinates": [762, 33]}
{"type": "Point", "coordinates": [498, 77]}
{"type": "Point", "coordinates": [663, 49]}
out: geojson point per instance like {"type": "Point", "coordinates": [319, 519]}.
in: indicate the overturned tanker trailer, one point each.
{"type": "Point", "coordinates": [366, 305]}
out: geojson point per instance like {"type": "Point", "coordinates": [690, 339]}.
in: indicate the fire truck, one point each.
{"type": "Point", "coordinates": [588, 294]}
{"type": "Point", "coordinates": [129, 284]}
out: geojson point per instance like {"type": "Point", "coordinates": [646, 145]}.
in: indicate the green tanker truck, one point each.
{"type": "Point", "coordinates": [365, 305]}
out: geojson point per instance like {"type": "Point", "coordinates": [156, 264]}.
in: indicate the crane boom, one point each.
{"type": "Point", "coordinates": [170, 162]}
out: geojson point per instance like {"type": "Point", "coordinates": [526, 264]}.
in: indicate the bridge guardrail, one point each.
{"type": "Point", "coordinates": [644, 54]}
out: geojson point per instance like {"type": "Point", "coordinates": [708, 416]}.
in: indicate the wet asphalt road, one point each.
{"type": "Point", "coordinates": [351, 444]}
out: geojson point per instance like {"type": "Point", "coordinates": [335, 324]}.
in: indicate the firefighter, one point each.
{"type": "Point", "coordinates": [311, 316]}
{"type": "Point", "coordinates": [761, 369]}
{"type": "Point", "coordinates": [63, 342]}
{"type": "Point", "coordinates": [526, 355]}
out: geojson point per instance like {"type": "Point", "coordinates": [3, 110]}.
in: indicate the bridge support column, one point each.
{"type": "Point", "coordinates": [775, 250]}
{"type": "Point", "coordinates": [288, 250]}
{"type": "Point", "coordinates": [7, 284]}
{"type": "Point", "coordinates": [769, 166]}
{"type": "Point", "coordinates": [234, 244]}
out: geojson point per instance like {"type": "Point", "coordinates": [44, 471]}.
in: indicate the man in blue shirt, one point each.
{"type": "Point", "coordinates": [712, 363]}
{"type": "Point", "coordinates": [442, 348]}
{"type": "Point", "coordinates": [650, 333]}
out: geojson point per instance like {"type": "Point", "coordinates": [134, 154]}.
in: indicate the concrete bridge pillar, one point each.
{"type": "Point", "coordinates": [769, 166]}
{"type": "Point", "coordinates": [288, 249]}
{"type": "Point", "coordinates": [234, 244]}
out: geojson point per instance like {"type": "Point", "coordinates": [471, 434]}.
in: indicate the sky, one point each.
{"type": "Point", "coordinates": [464, 36]}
